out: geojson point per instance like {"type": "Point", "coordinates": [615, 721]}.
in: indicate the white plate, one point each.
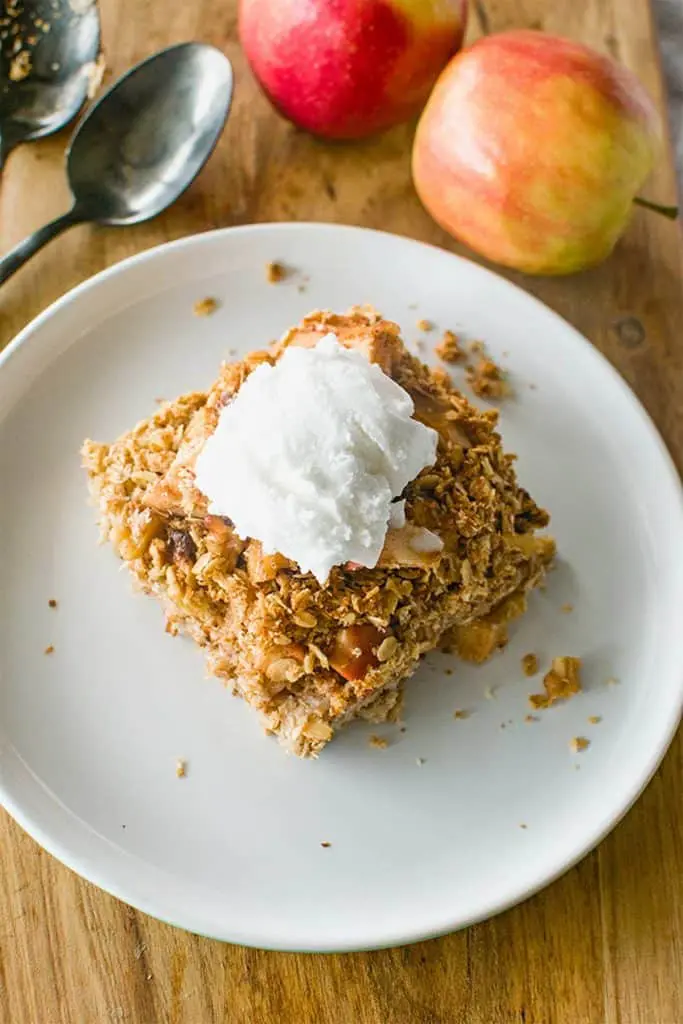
{"type": "Point", "coordinates": [90, 735]}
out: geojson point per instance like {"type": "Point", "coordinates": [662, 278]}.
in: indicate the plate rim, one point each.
{"type": "Point", "coordinates": [61, 851]}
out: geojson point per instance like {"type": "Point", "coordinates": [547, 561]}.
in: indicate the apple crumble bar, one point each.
{"type": "Point", "coordinates": [311, 657]}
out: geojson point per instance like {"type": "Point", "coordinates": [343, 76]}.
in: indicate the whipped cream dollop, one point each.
{"type": "Point", "coordinates": [310, 453]}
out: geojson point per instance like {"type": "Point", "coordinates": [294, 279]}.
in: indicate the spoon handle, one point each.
{"type": "Point", "coordinates": [22, 252]}
{"type": "Point", "coordinates": [8, 140]}
{"type": "Point", "coordinates": [5, 149]}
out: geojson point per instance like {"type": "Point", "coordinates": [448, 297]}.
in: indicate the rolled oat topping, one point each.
{"type": "Point", "coordinates": [249, 611]}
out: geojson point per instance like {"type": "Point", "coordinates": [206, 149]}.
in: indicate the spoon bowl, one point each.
{"type": "Point", "coordinates": [48, 66]}
{"type": "Point", "coordinates": [142, 144]}
{"type": "Point", "coordinates": [148, 137]}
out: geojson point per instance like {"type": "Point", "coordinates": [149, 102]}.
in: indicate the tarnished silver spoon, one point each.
{"type": "Point", "coordinates": [48, 66]}
{"type": "Point", "coordinates": [142, 144]}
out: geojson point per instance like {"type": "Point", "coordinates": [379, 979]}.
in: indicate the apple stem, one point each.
{"type": "Point", "coordinates": [666, 211]}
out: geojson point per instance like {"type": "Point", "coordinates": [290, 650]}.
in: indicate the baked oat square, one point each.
{"type": "Point", "coordinates": [308, 657]}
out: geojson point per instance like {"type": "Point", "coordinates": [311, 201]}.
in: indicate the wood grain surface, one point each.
{"type": "Point", "coordinates": [604, 944]}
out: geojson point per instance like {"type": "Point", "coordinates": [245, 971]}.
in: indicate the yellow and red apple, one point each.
{"type": "Point", "coordinates": [345, 69]}
{"type": "Point", "coordinates": [531, 150]}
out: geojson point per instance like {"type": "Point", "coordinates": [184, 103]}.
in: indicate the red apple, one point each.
{"type": "Point", "coordinates": [344, 69]}
{"type": "Point", "coordinates": [532, 149]}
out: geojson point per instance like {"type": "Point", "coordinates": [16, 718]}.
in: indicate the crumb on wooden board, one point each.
{"type": "Point", "coordinates": [94, 72]}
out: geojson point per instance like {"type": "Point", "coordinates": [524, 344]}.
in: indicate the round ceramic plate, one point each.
{"type": "Point", "coordinates": [456, 818]}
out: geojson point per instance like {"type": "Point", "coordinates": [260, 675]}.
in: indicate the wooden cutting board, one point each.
{"type": "Point", "coordinates": [604, 943]}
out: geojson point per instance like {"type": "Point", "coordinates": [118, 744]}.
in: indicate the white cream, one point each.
{"type": "Point", "coordinates": [310, 453]}
{"type": "Point", "coordinates": [397, 515]}
{"type": "Point", "coordinates": [426, 542]}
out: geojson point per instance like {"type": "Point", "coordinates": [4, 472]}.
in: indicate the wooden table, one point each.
{"type": "Point", "coordinates": [603, 944]}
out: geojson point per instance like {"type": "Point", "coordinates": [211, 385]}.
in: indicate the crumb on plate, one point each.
{"type": "Point", "coordinates": [561, 682]}
{"type": "Point", "coordinates": [50, 649]}
{"type": "Point", "coordinates": [52, 603]}
{"type": "Point", "coordinates": [326, 845]}
{"type": "Point", "coordinates": [419, 761]}
{"type": "Point", "coordinates": [531, 718]}
{"type": "Point", "coordinates": [181, 768]}
{"type": "Point", "coordinates": [379, 742]}
{"type": "Point", "coordinates": [594, 719]}
{"type": "Point", "coordinates": [530, 664]}
{"type": "Point", "coordinates": [578, 743]}
{"type": "Point", "coordinates": [567, 608]}
{"type": "Point", "coordinates": [205, 307]}
{"type": "Point", "coordinates": [275, 272]}
{"type": "Point", "coordinates": [459, 713]}
{"type": "Point", "coordinates": [487, 380]}
{"type": "Point", "coordinates": [448, 348]}
{"type": "Point", "coordinates": [425, 325]}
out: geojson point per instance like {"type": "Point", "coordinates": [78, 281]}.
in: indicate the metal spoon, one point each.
{"type": "Point", "coordinates": [142, 144]}
{"type": "Point", "coordinates": [48, 63]}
